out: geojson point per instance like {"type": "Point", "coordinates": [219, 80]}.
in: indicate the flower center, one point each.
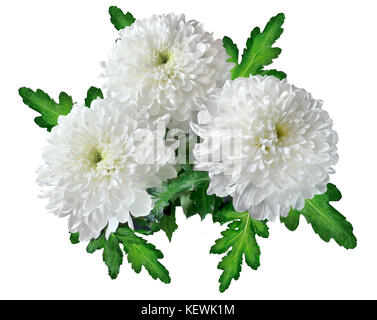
{"type": "Point", "coordinates": [162, 58]}
{"type": "Point", "coordinates": [281, 132]}
{"type": "Point", "coordinates": [103, 161]}
{"type": "Point", "coordinates": [95, 157]}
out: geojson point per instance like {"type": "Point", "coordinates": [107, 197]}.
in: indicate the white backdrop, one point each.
{"type": "Point", "coordinates": [329, 48]}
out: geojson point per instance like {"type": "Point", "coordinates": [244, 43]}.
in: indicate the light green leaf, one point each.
{"type": "Point", "coordinates": [47, 107]}
{"type": "Point", "coordinates": [119, 19]}
{"type": "Point", "coordinates": [186, 203]}
{"type": "Point", "coordinates": [325, 220]}
{"type": "Point", "coordinates": [141, 253]}
{"type": "Point", "coordinates": [259, 51]}
{"type": "Point", "coordinates": [237, 241]}
{"type": "Point", "coordinates": [112, 256]}
{"type": "Point", "coordinates": [92, 94]}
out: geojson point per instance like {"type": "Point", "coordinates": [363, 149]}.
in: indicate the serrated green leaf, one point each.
{"type": "Point", "coordinates": [231, 49]}
{"type": "Point", "coordinates": [171, 190]}
{"type": "Point", "coordinates": [259, 51]}
{"type": "Point", "coordinates": [92, 94]}
{"type": "Point", "coordinates": [141, 253]}
{"type": "Point", "coordinates": [168, 223]}
{"type": "Point", "coordinates": [74, 238]}
{"type": "Point", "coordinates": [237, 241]}
{"type": "Point", "coordinates": [201, 202]}
{"type": "Point", "coordinates": [42, 123]}
{"type": "Point", "coordinates": [119, 19]}
{"type": "Point", "coordinates": [226, 214]}
{"type": "Point", "coordinates": [112, 256]}
{"type": "Point", "coordinates": [277, 74]}
{"type": "Point", "coordinates": [325, 220]}
{"type": "Point", "coordinates": [96, 244]}
{"type": "Point", "coordinates": [47, 107]}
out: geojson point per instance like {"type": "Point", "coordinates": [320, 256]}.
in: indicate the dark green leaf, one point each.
{"type": "Point", "coordinates": [170, 190]}
{"type": "Point", "coordinates": [74, 237]}
{"type": "Point", "coordinates": [292, 220]}
{"type": "Point", "coordinates": [326, 221]}
{"type": "Point", "coordinates": [92, 94]}
{"type": "Point", "coordinates": [119, 19]}
{"type": "Point", "coordinates": [141, 253]}
{"type": "Point", "coordinates": [201, 203]}
{"type": "Point", "coordinates": [237, 241]}
{"type": "Point", "coordinates": [259, 51]}
{"type": "Point", "coordinates": [168, 224]}
{"type": "Point", "coordinates": [47, 107]}
{"type": "Point", "coordinates": [277, 74]}
{"type": "Point", "coordinates": [231, 49]}
{"type": "Point", "coordinates": [146, 225]}
{"type": "Point", "coordinates": [112, 256]}
{"type": "Point", "coordinates": [96, 244]}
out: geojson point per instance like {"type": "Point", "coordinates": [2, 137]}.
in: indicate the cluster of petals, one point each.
{"type": "Point", "coordinates": [267, 144]}
{"type": "Point", "coordinates": [166, 65]}
{"type": "Point", "coordinates": [98, 165]}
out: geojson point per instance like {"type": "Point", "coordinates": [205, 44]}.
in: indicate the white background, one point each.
{"type": "Point", "coordinates": [329, 48]}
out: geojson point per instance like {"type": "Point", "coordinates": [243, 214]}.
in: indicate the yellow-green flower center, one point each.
{"type": "Point", "coordinates": [95, 157]}
{"type": "Point", "coordinates": [163, 58]}
{"type": "Point", "coordinates": [280, 132]}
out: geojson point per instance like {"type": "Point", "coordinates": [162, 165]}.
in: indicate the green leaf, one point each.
{"type": "Point", "coordinates": [112, 256]}
{"type": "Point", "coordinates": [92, 94]}
{"type": "Point", "coordinates": [170, 190]}
{"type": "Point", "coordinates": [186, 203]}
{"type": "Point", "coordinates": [141, 253]}
{"type": "Point", "coordinates": [325, 220]}
{"type": "Point", "coordinates": [168, 223]}
{"type": "Point", "coordinates": [237, 241]}
{"type": "Point", "coordinates": [277, 74]}
{"type": "Point", "coordinates": [231, 49]}
{"type": "Point", "coordinates": [47, 107]}
{"type": "Point", "coordinates": [146, 225]}
{"type": "Point", "coordinates": [200, 202]}
{"type": "Point", "coordinates": [292, 220]}
{"type": "Point", "coordinates": [119, 19]}
{"type": "Point", "coordinates": [96, 244]}
{"type": "Point", "coordinates": [74, 237]}
{"type": "Point", "coordinates": [225, 214]}
{"type": "Point", "coordinates": [259, 51]}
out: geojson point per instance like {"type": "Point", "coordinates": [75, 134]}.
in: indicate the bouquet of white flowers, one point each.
{"type": "Point", "coordinates": [182, 121]}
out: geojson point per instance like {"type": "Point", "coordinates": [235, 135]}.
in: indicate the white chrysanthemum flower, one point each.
{"type": "Point", "coordinates": [267, 144]}
{"type": "Point", "coordinates": [166, 64]}
{"type": "Point", "coordinates": [99, 163]}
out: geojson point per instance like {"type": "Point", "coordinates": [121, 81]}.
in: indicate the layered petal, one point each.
{"type": "Point", "coordinates": [267, 144]}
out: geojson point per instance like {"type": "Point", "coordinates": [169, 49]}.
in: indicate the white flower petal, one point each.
{"type": "Point", "coordinates": [142, 205]}
{"type": "Point", "coordinates": [112, 226]}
